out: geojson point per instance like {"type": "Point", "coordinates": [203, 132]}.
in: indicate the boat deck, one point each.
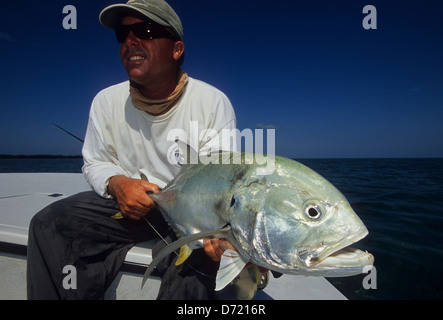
{"type": "Point", "coordinates": [24, 194]}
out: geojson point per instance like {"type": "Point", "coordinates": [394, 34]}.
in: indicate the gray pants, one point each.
{"type": "Point", "coordinates": [78, 231]}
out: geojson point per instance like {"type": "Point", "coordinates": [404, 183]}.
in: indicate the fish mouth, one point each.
{"type": "Point", "coordinates": [337, 260]}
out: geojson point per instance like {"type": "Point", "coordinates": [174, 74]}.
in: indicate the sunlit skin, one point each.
{"type": "Point", "coordinates": [156, 74]}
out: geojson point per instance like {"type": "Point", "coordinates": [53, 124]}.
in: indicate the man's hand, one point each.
{"type": "Point", "coordinates": [214, 248]}
{"type": "Point", "coordinates": [131, 196]}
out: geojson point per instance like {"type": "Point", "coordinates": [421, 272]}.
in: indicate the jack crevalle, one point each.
{"type": "Point", "coordinates": [291, 221]}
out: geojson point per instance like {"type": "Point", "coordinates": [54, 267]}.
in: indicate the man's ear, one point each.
{"type": "Point", "coordinates": [179, 49]}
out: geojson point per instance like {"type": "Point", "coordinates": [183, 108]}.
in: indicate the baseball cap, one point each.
{"type": "Point", "coordinates": [156, 10]}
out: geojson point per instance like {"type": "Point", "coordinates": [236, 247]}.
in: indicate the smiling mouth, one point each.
{"type": "Point", "coordinates": [136, 58]}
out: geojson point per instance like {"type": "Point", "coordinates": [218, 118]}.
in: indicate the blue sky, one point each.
{"type": "Point", "coordinates": [308, 69]}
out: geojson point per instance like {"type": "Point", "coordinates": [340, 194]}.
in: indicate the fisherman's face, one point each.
{"type": "Point", "coordinates": [147, 60]}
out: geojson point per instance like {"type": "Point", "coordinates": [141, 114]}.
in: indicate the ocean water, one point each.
{"type": "Point", "coordinates": [401, 203]}
{"type": "Point", "coordinates": [399, 200]}
{"type": "Point", "coordinates": [41, 165]}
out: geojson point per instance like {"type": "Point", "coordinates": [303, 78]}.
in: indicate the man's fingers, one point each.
{"type": "Point", "coordinates": [215, 248]}
{"type": "Point", "coordinates": [209, 249]}
{"type": "Point", "coordinates": [149, 187]}
{"type": "Point", "coordinates": [131, 196]}
{"type": "Point", "coordinates": [225, 245]}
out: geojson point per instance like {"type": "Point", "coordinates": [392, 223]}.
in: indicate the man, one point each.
{"type": "Point", "coordinates": [128, 152]}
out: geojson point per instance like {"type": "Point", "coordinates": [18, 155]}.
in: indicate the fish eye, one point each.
{"type": "Point", "coordinates": [234, 201]}
{"type": "Point", "coordinates": [313, 211]}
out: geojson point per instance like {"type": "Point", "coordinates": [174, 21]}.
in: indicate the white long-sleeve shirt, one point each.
{"type": "Point", "coordinates": [123, 140]}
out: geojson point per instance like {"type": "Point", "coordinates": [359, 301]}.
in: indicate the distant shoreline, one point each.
{"type": "Point", "coordinates": [38, 156]}
{"type": "Point", "coordinates": [50, 156]}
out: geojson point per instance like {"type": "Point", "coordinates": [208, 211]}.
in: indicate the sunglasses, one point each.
{"type": "Point", "coordinates": [143, 30]}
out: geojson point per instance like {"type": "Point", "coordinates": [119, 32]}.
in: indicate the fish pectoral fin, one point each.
{"type": "Point", "coordinates": [178, 244]}
{"type": "Point", "coordinates": [166, 196]}
{"type": "Point", "coordinates": [117, 216]}
{"type": "Point", "coordinates": [185, 252]}
{"type": "Point", "coordinates": [231, 265]}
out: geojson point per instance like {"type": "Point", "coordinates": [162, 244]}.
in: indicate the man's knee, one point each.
{"type": "Point", "coordinates": [45, 219]}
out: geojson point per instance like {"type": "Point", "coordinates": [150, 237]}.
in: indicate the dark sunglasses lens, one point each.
{"type": "Point", "coordinates": [121, 33]}
{"type": "Point", "coordinates": [142, 30]}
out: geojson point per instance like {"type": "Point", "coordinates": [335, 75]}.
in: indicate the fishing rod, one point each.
{"type": "Point", "coordinates": [71, 134]}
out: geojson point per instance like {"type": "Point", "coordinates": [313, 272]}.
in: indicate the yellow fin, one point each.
{"type": "Point", "coordinates": [117, 216]}
{"type": "Point", "coordinates": [185, 252]}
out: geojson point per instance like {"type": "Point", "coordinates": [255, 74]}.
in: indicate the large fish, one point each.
{"type": "Point", "coordinates": [291, 221]}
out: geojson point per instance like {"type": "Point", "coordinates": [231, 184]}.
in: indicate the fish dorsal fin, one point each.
{"type": "Point", "coordinates": [190, 154]}
{"type": "Point", "coordinates": [221, 233]}
{"type": "Point", "coordinates": [231, 265]}
{"type": "Point", "coordinates": [185, 252]}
